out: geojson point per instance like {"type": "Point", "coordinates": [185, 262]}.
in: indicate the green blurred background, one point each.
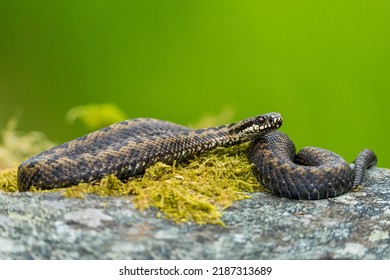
{"type": "Point", "coordinates": [325, 65]}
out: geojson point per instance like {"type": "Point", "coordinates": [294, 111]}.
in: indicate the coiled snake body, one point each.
{"type": "Point", "coordinates": [128, 148]}
{"type": "Point", "coordinates": [313, 173]}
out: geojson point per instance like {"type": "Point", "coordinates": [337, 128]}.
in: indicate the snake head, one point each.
{"type": "Point", "coordinates": [255, 126]}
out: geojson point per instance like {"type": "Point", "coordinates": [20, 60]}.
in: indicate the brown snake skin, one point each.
{"type": "Point", "coordinates": [128, 148]}
{"type": "Point", "coordinates": [313, 173]}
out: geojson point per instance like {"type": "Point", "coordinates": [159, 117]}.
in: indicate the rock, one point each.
{"type": "Point", "coordinates": [355, 225]}
{"type": "Point", "coordinates": [89, 217]}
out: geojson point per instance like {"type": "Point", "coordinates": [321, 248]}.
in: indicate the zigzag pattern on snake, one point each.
{"type": "Point", "coordinates": [128, 148]}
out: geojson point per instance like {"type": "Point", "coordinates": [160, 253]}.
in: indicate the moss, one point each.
{"type": "Point", "coordinates": [95, 116]}
{"type": "Point", "coordinates": [16, 146]}
{"type": "Point", "coordinates": [8, 182]}
{"type": "Point", "coordinates": [194, 191]}
{"type": "Point", "coordinates": [197, 190]}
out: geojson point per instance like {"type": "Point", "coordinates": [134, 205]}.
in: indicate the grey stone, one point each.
{"type": "Point", "coordinates": [355, 225]}
{"type": "Point", "coordinates": [89, 217]}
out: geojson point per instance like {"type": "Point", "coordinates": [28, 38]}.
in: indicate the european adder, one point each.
{"type": "Point", "coordinates": [128, 148]}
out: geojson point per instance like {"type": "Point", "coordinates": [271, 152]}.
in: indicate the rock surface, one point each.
{"type": "Point", "coordinates": [48, 226]}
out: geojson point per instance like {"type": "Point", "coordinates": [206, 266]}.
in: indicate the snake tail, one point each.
{"type": "Point", "coordinates": [313, 173]}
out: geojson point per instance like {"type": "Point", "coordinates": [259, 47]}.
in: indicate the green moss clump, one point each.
{"type": "Point", "coordinates": [95, 116]}
{"type": "Point", "coordinates": [194, 191]}
{"type": "Point", "coordinates": [16, 146]}
{"type": "Point", "coordinates": [8, 181]}
{"type": "Point", "coordinates": [197, 190]}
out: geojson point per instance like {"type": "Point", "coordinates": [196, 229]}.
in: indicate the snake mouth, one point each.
{"type": "Point", "coordinates": [260, 124]}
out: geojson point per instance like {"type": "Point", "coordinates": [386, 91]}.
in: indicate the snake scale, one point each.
{"type": "Point", "coordinates": [129, 147]}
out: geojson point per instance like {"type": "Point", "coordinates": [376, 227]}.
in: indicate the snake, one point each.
{"type": "Point", "coordinates": [312, 173]}
{"type": "Point", "coordinates": [127, 148]}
